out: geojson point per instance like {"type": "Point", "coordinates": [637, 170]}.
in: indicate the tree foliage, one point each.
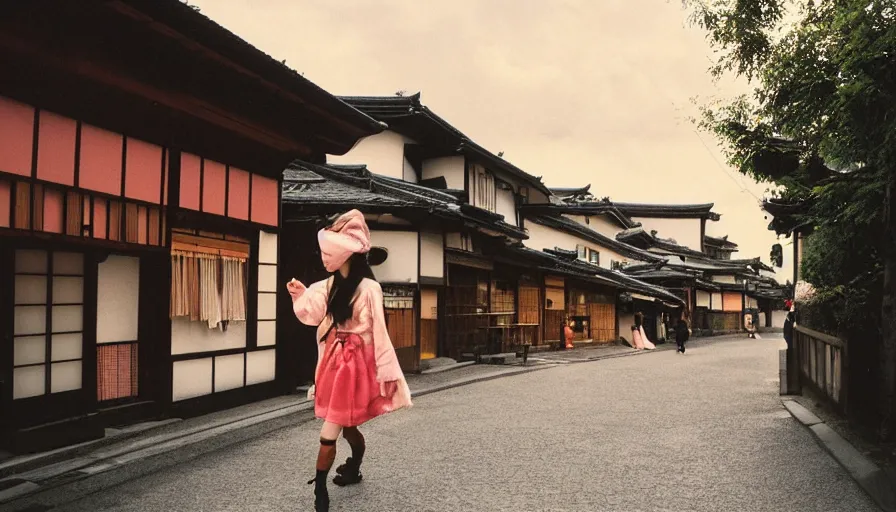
{"type": "Point", "coordinates": [820, 126]}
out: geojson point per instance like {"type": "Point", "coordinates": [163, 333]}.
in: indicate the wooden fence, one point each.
{"type": "Point", "coordinates": [823, 361]}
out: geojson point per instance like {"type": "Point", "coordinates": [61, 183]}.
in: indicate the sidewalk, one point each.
{"type": "Point", "coordinates": [159, 444]}
{"type": "Point", "coordinates": [871, 464]}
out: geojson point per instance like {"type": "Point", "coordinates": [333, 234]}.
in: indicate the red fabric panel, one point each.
{"type": "Point", "coordinates": [213, 187]}
{"type": "Point", "coordinates": [99, 218]}
{"type": "Point", "coordinates": [16, 137]}
{"type": "Point", "coordinates": [238, 194]}
{"type": "Point", "coordinates": [189, 181]}
{"type": "Point", "coordinates": [56, 149]}
{"type": "Point", "coordinates": [53, 211]}
{"type": "Point", "coordinates": [143, 171]}
{"type": "Point", "coordinates": [5, 198]}
{"type": "Point", "coordinates": [100, 168]}
{"type": "Point", "coordinates": [265, 200]}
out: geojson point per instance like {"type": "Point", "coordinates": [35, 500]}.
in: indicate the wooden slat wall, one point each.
{"type": "Point", "coordinates": [603, 322]}
{"type": "Point", "coordinates": [429, 338]}
{"type": "Point", "coordinates": [530, 309]}
{"type": "Point", "coordinates": [553, 324]}
{"type": "Point", "coordinates": [127, 221]}
{"type": "Point", "coordinates": [400, 323]}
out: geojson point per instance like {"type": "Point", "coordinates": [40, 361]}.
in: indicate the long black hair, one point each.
{"type": "Point", "coordinates": [339, 302]}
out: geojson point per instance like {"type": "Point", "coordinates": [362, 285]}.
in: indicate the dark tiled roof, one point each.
{"type": "Point", "coordinates": [565, 193]}
{"type": "Point", "coordinates": [394, 110]}
{"type": "Point", "coordinates": [700, 211]}
{"type": "Point", "coordinates": [788, 216]}
{"type": "Point", "coordinates": [569, 226]}
{"type": "Point", "coordinates": [581, 208]}
{"type": "Point", "coordinates": [355, 186]}
{"type": "Point", "coordinates": [722, 243]}
{"type": "Point", "coordinates": [641, 238]}
{"type": "Point", "coordinates": [624, 281]}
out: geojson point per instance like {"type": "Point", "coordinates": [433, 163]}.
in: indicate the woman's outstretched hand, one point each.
{"type": "Point", "coordinates": [295, 287]}
{"type": "Point", "coordinates": [388, 389]}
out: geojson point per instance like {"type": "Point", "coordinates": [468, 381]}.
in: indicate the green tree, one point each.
{"type": "Point", "coordinates": [821, 125]}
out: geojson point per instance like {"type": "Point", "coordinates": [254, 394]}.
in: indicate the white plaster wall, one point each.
{"type": "Point", "coordinates": [600, 223]}
{"type": "Point", "coordinates": [724, 279]}
{"type": "Point", "coordinates": [450, 167]}
{"type": "Point", "coordinates": [429, 304]}
{"type": "Point", "coordinates": [543, 237]}
{"type": "Point", "coordinates": [625, 322]}
{"type": "Point", "coordinates": [432, 255]}
{"type": "Point", "coordinates": [703, 299]}
{"type": "Point", "coordinates": [778, 318]}
{"type": "Point", "coordinates": [408, 172]}
{"type": "Point", "coordinates": [401, 265]}
{"type": "Point", "coordinates": [684, 231]}
{"type": "Point", "coordinates": [261, 366]}
{"type": "Point", "coordinates": [118, 290]}
{"type": "Point", "coordinates": [189, 337]}
{"type": "Point", "coordinates": [751, 302]}
{"type": "Point", "coordinates": [229, 372]}
{"type": "Point", "coordinates": [453, 241]}
{"type": "Point", "coordinates": [383, 153]}
{"type": "Point", "coordinates": [506, 206]}
{"type": "Point", "coordinates": [716, 301]}
{"type": "Point", "coordinates": [192, 378]}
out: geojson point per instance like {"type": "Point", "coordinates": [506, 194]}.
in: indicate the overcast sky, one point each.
{"type": "Point", "coordinates": [576, 91]}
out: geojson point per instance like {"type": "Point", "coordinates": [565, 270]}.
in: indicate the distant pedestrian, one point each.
{"type": "Point", "coordinates": [682, 334]}
{"type": "Point", "coordinates": [788, 329]}
{"type": "Point", "coordinates": [639, 337]}
{"type": "Point", "coordinates": [358, 377]}
{"type": "Point", "coordinates": [568, 334]}
{"type": "Point", "coordinates": [748, 325]}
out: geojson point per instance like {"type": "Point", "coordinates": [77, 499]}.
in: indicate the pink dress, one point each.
{"type": "Point", "coordinates": [648, 345]}
{"type": "Point", "coordinates": [355, 360]}
{"type": "Point", "coordinates": [639, 339]}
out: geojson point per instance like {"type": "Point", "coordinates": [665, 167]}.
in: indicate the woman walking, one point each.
{"type": "Point", "coordinates": [358, 377]}
{"type": "Point", "coordinates": [682, 333]}
{"type": "Point", "coordinates": [639, 337]}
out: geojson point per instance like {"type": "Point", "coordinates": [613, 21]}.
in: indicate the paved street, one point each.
{"type": "Point", "coordinates": [705, 431]}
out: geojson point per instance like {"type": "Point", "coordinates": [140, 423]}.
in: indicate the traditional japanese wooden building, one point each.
{"type": "Point", "coordinates": [141, 147]}
{"type": "Point", "coordinates": [489, 300]}
{"type": "Point", "coordinates": [411, 222]}
{"type": "Point", "coordinates": [718, 291]}
{"type": "Point", "coordinates": [719, 248]}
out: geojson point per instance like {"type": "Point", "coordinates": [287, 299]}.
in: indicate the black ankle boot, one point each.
{"type": "Point", "coordinates": [321, 496]}
{"type": "Point", "coordinates": [348, 473]}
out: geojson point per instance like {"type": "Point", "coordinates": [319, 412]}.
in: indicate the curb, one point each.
{"type": "Point", "coordinates": [447, 367]}
{"type": "Point", "coordinates": [862, 469]}
{"type": "Point", "coordinates": [474, 380]}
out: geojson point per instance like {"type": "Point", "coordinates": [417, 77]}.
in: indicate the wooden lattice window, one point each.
{"type": "Point", "coordinates": [503, 296]}
{"type": "Point", "coordinates": [116, 375]}
{"type": "Point", "coordinates": [603, 322]}
{"type": "Point", "coordinates": [64, 211]}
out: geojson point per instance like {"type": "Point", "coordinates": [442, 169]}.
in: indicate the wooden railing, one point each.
{"type": "Point", "coordinates": [823, 362]}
